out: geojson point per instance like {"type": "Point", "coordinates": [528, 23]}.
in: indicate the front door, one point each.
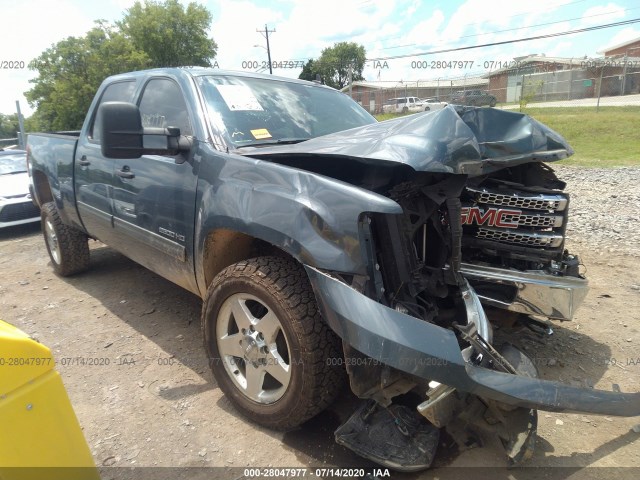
{"type": "Point", "coordinates": [94, 173]}
{"type": "Point", "coordinates": [154, 196]}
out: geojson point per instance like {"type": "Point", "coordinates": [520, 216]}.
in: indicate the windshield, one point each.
{"type": "Point", "coordinates": [13, 163]}
{"type": "Point", "coordinates": [254, 111]}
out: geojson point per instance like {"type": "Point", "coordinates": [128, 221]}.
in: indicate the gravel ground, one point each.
{"type": "Point", "coordinates": [604, 209]}
{"type": "Point", "coordinates": [156, 404]}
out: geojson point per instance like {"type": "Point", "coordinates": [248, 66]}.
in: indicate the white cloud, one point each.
{"type": "Point", "coordinates": [304, 28]}
{"type": "Point", "coordinates": [602, 14]}
{"type": "Point", "coordinates": [413, 8]}
{"type": "Point", "coordinates": [622, 36]}
{"type": "Point", "coordinates": [234, 30]}
{"type": "Point", "coordinates": [44, 22]}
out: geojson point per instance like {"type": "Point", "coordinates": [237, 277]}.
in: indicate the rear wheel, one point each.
{"type": "Point", "coordinates": [68, 247]}
{"type": "Point", "coordinates": [492, 103]}
{"type": "Point", "coordinates": [405, 109]}
{"type": "Point", "coordinates": [270, 351]}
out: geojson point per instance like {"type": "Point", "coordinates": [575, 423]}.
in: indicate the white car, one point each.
{"type": "Point", "coordinates": [16, 206]}
{"type": "Point", "coordinates": [427, 104]}
{"type": "Point", "coordinates": [402, 105]}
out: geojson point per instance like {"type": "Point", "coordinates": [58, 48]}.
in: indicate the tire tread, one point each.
{"type": "Point", "coordinates": [74, 245]}
{"type": "Point", "coordinates": [287, 280]}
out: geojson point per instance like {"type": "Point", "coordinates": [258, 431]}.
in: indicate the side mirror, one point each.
{"type": "Point", "coordinates": [123, 136]}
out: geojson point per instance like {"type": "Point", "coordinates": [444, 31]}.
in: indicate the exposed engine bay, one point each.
{"type": "Point", "coordinates": [480, 243]}
{"type": "Point", "coordinates": [514, 220]}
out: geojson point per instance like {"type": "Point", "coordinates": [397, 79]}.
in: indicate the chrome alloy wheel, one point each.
{"type": "Point", "coordinates": [253, 348]}
{"type": "Point", "coordinates": [52, 240]}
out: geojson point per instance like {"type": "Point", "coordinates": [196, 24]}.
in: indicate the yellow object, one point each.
{"type": "Point", "coordinates": [260, 133]}
{"type": "Point", "coordinates": [40, 436]}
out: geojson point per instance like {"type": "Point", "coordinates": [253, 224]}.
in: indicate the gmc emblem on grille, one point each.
{"type": "Point", "coordinates": [492, 217]}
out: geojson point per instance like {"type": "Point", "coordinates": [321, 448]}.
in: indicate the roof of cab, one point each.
{"type": "Point", "coordinates": [203, 71]}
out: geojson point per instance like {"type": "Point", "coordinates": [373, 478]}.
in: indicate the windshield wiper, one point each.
{"type": "Point", "coordinates": [280, 141]}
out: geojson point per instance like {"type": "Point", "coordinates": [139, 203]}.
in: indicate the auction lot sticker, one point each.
{"type": "Point", "coordinates": [239, 97]}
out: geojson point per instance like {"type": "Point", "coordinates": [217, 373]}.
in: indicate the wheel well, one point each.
{"type": "Point", "coordinates": [224, 247]}
{"type": "Point", "coordinates": [42, 189]}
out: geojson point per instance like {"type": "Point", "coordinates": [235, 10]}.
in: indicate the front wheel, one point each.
{"type": "Point", "coordinates": [426, 109]}
{"type": "Point", "coordinates": [68, 247]}
{"type": "Point", "coordinates": [270, 351]}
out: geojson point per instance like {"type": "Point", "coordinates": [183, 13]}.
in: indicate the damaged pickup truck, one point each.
{"type": "Point", "coordinates": [329, 247]}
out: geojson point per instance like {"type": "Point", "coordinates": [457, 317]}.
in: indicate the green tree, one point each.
{"type": "Point", "coordinates": [308, 71]}
{"type": "Point", "coordinates": [153, 34]}
{"type": "Point", "coordinates": [9, 126]}
{"type": "Point", "coordinates": [70, 72]}
{"type": "Point", "coordinates": [170, 35]}
{"type": "Point", "coordinates": [334, 63]}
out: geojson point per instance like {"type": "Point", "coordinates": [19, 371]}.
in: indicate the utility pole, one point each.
{"type": "Point", "coordinates": [265, 33]}
{"type": "Point", "coordinates": [350, 79]}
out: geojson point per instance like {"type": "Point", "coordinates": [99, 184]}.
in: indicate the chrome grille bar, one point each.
{"type": "Point", "coordinates": [524, 200]}
{"type": "Point", "coordinates": [518, 237]}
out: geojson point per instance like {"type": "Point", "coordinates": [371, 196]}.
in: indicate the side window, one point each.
{"type": "Point", "coordinates": [116, 92]}
{"type": "Point", "coordinates": [162, 105]}
{"type": "Point", "coordinates": [411, 100]}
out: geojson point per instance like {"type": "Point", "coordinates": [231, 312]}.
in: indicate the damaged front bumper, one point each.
{"type": "Point", "coordinates": [428, 351]}
{"type": "Point", "coordinates": [531, 293]}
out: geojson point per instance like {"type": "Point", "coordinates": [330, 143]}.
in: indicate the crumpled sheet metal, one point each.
{"type": "Point", "coordinates": [455, 139]}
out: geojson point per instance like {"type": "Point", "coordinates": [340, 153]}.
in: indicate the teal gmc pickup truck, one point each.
{"type": "Point", "coordinates": [330, 248]}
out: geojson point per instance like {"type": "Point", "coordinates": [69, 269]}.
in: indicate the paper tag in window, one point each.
{"type": "Point", "coordinates": [260, 134]}
{"type": "Point", "coordinates": [239, 97]}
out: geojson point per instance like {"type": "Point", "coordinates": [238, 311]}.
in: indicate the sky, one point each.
{"type": "Point", "coordinates": [304, 28]}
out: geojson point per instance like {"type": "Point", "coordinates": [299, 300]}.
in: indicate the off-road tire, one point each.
{"type": "Point", "coordinates": [72, 253]}
{"type": "Point", "coordinates": [315, 350]}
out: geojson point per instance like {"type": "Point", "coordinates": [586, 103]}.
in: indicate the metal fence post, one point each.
{"type": "Point", "coordinates": [21, 140]}
{"type": "Point", "coordinates": [624, 75]}
{"type": "Point", "coordinates": [600, 87]}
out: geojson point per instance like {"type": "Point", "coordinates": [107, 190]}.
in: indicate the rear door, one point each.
{"type": "Point", "coordinates": [154, 196]}
{"type": "Point", "coordinates": [94, 173]}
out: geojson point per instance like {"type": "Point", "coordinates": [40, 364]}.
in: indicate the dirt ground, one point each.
{"type": "Point", "coordinates": [149, 398]}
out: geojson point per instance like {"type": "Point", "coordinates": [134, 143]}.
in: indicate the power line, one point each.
{"type": "Point", "coordinates": [519, 28]}
{"type": "Point", "coordinates": [505, 42]}
{"type": "Point", "coordinates": [481, 23]}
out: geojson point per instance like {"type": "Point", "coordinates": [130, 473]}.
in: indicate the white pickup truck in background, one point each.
{"type": "Point", "coordinates": [411, 104]}
{"type": "Point", "coordinates": [402, 105]}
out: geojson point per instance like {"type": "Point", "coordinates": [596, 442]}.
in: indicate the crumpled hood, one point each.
{"type": "Point", "coordinates": [455, 139]}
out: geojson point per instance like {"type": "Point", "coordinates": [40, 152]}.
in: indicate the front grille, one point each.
{"type": "Point", "coordinates": [492, 217]}
{"type": "Point", "coordinates": [524, 220]}
{"type": "Point", "coordinates": [18, 211]}
{"type": "Point", "coordinates": [528, 239]}
{"type": "Point", "coordinates": [520, 199]}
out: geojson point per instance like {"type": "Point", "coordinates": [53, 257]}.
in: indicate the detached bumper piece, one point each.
{"type": "Point", "coordinates": [431, 352]}
{"type": "Point", "coordinates": [396, 437]}
{"type": "Point", "coordinates": [531, 293]}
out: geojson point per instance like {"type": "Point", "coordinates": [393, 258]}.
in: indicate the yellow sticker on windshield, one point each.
{"type": "Point", "coordinates": [260, 133]}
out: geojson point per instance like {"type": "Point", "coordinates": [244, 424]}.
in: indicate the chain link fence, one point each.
{"type": "Point", "coordinates": [563, 82]}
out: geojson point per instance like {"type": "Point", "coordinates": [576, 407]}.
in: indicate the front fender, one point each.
{"type": "Point", "coordinates": [312, 217]}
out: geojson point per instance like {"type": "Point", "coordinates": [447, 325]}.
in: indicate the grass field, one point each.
{"type": "Point", "coordinates": [607, 138]}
